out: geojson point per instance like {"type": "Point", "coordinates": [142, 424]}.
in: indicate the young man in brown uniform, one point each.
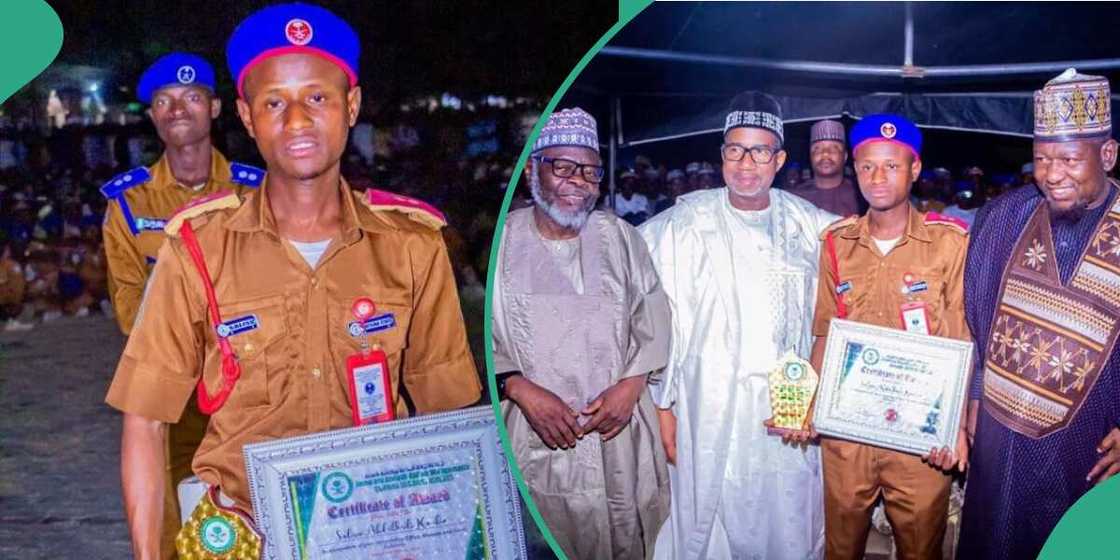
{"type": "Point", "coordinates": [287, 267]}
{"type": "Point", "coordinates": [893, 267]}
{"type": "Point", "coordinates": [180, 89]}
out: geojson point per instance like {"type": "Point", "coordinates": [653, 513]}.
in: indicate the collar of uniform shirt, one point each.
{"type": "Point", "coordinates": [915, 227]}
{"type": "Point", "coordinates": [219, 171]}
{"type": "Point", "coordinates": [257, 215]}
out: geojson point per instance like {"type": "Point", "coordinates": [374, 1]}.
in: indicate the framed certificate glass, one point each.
{"type": "Point", "coordinates": [890, 388]}
{"type": "Point", "coordinates": [429, 487]}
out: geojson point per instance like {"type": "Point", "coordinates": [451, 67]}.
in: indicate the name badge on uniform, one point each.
{"type": "Point", "coordinates": [915, 317]}
{"type": "Point", "coordinates": [379, 323]}
{"type": "Point", "coordinates": [916, 287]}
{"type": "Point", "coordinates": [843, 287]}
{"type": "Point", "coordinates": [367, 372]}
{"type": "Point", "coordinates": [238, 326]}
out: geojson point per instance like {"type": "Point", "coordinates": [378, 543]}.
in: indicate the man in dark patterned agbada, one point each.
{"type": "Point", "coordinates": [1042, 293]}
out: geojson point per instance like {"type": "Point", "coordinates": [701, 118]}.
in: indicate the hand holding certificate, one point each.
{"type": "Point", "coordinates": [891, 388]}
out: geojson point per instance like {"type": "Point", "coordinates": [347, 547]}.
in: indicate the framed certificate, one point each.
{"type": "Point", "coordinates": [890, 388]}
{"type": "Point", "coordinates": [429, 487]}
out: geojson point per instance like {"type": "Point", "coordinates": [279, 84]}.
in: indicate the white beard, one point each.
{"type": "Point", "coordinates": [569, 220]}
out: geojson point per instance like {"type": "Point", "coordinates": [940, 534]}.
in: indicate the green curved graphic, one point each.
{"type": "Point", "coordinates": [627, 10]}
{"type": "Point", "coordinates": [1083, 531]}
{"type": "Point", "coordinates": [33, 31]}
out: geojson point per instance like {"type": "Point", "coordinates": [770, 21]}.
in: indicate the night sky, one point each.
{"type": "Point", "coordinates": [408, 47]}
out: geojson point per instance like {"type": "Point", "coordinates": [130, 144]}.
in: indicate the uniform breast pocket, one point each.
{"type": "Point", "coordinates": [929, 286]}
{"type": "Point", "coordinates": [257, 330]}
{"type": "Point", "coordinates": [386, 329]}
{"type": "Point", "coordinates": [926, 285]}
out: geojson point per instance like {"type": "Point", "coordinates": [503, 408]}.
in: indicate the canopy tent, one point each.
{"type": "Point", "coordinates": [961, 66]}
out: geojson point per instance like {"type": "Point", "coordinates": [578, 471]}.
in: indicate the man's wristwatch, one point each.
{"type": "Point", "coordinates": [501, 379]}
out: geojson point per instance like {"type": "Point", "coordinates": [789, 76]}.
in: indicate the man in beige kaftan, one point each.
{"type": "Point", "coordinates": [579, 323]}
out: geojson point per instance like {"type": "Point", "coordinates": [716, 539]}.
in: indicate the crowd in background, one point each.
{"type": "Point", "coordinates": [647, 188]}
{"type": "Point", "coordinates": [52, 261]}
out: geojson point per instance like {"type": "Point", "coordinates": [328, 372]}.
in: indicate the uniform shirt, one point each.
{"type": "Point", "coordinates": [931, 251]}
{"type": "Point", "coordinates": [293, 365]}
{"type": "Point", "coordinates": [132, 255]}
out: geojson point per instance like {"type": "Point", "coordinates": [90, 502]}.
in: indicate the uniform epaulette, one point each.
{"type": "Point", "coordinates": [839, 224]}
{"type": "Point", "coordinates": [116, 186]}
{"type": "Point", "coordinates": [942, 219]}
{"type": "Point", "coordinates": [200, 206]}
{"type": "Point", "coordinates": [418, 210]}
{"type": "Point", "coordinates": [247, 175]}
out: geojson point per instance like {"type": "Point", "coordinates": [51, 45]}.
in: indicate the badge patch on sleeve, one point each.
{"type": "Point", "coordinates": [384, 321]}
{"type": "Point", "coordinates": [238, 326]}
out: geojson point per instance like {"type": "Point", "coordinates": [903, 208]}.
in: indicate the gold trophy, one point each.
{"type": "Point", "coordinates": [793, 385]}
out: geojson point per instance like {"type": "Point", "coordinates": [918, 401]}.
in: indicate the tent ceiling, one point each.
{"type": "Point", "coordinates": [661, 98]}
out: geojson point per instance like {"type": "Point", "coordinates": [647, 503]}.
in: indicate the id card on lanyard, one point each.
{"type": "Point", "coordinates": [367, 374]}
{"type": "Point", "coordinates": [371, 400]}
{"type": "Point", "coordinates": [915, 317]}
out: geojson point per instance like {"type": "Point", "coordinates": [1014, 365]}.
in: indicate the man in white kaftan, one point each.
{"type": "Point", "coordinates": [739, 265]}
{"type": "Point", "coordinates": [579, 321]}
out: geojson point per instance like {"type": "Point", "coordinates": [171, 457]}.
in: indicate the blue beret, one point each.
{"type": "Point", "coordinates": [175, 69]}
{"type": "Point", "coordinates": [291, 29]}
{"type": "Point", "coordinates": [890, 128]}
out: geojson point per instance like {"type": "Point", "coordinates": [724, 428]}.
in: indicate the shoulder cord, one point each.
{"type": "Point", "coordinates": [231, 370]}
{"type": "Point", "coordinates": [841, 307]}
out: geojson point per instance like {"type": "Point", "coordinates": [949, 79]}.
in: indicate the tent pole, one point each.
{"type": "Point", "coordinates": [866, 69]}
{"type": "Point", "coordinates": [908, 38]}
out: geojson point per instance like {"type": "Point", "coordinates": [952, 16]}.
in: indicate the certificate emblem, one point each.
{"type": "Point", "coordinates": [337, 487]}
{"type": "Point", "coordinates": [871, 356]}
{"type": "Point", "coordinates": [793, 384]}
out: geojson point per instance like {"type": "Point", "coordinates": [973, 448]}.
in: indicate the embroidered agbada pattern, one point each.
{"type": "Point", "coordinates": [1050, 341]}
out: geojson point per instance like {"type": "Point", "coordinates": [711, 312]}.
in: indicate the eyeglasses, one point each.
{"type": "Point", "coordinates": [565, 168]}
{"type": "Point", "coordinates": [761, 154]}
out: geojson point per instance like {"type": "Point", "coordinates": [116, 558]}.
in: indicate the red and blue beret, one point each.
{"type": "Point", "coordinates": [292, 29]}
{"type": "Point", "coordinates": [886, 127]}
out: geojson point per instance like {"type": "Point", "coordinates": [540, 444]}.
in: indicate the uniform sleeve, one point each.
{"type": "Point", "coordinates": [163, 357]}
{"type": "Point", "coordinates": [954, 295]}
{"type": "Point", "coordinates": [650, 319]}
{"type": "Point", "coordinates": [826, 308]}
{"type": "Point", "coordinates": [127, 270]}
{"type": "Point", "coordinates": [439, 372]}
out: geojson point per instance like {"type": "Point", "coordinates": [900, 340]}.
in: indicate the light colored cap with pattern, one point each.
{"type": "Point", "coordinates": [569, 127]}
{"type": "Point", "coordinates": [1073, 107]}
